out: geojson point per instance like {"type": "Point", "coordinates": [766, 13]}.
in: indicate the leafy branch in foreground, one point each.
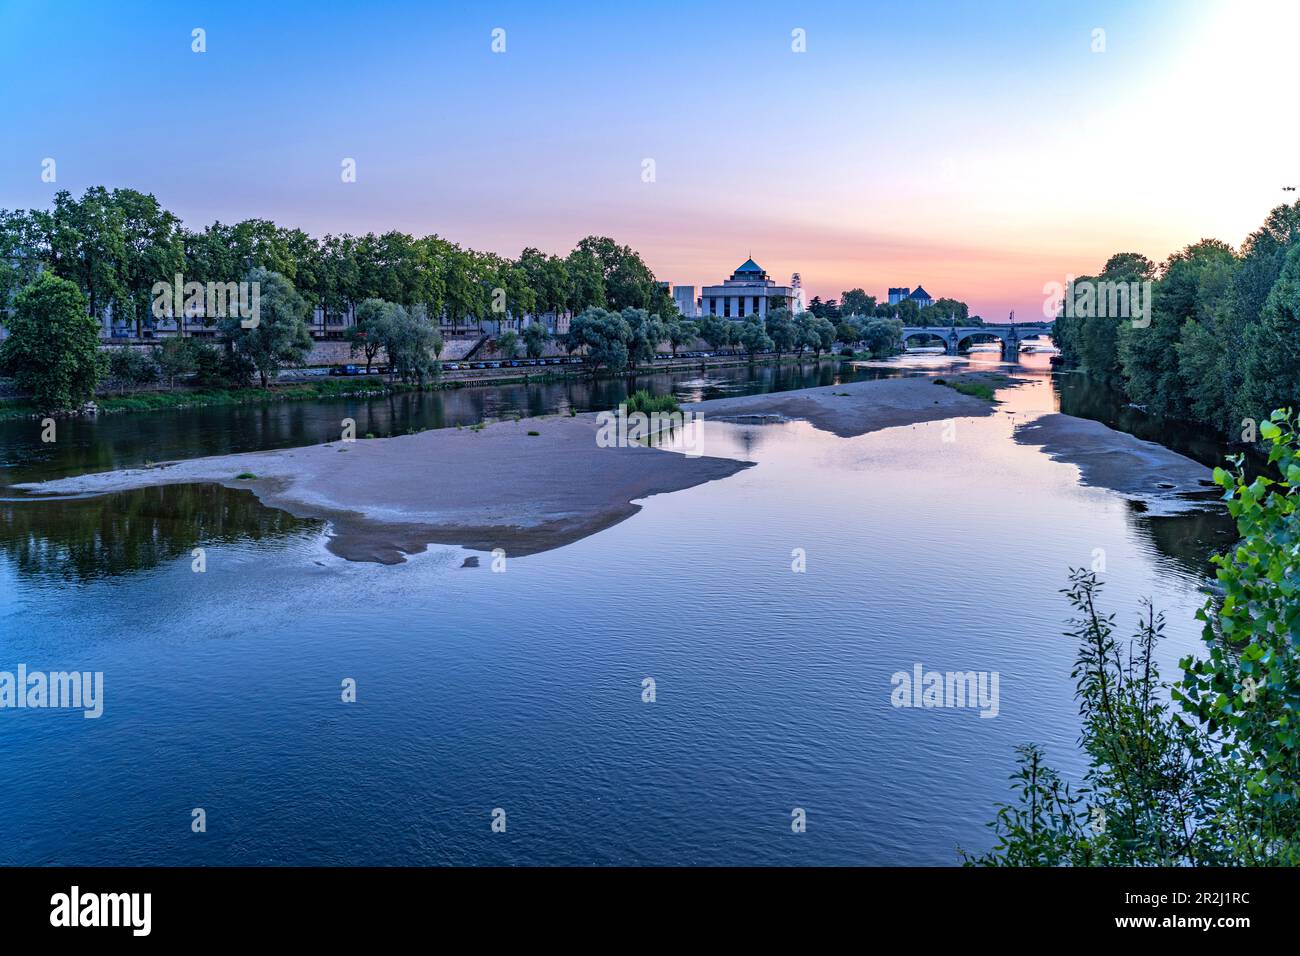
{"type": "Point", "coordinates": [1205, 771]}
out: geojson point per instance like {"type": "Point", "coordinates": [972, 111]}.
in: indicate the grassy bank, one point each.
{"type": "Point", "coordinates": [983, 387]}
{"type": "Point", "coordinates": [361, 387]}
{"type": "Point", "coordinates": [206, 397]}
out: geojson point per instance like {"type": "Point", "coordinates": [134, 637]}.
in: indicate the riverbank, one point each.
{"type": "Point", "coordinates": [500, 485]}
{"type": "Point", "coordinates": [364, 386]}
{"type": "Point", "coordinates": [531, 484]}
{"type": "Point", "coordinates": [1141, 470]}
{"type": "Point", "coordinates": [856, 408]}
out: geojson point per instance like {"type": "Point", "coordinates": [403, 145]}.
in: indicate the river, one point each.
{"type": "Point", "coordinates": [524, 691]}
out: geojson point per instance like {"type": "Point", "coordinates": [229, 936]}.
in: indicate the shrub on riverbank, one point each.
{"type": "Point", "coordinates": [1211, 776]}
{"type": "Point", "coordinates": [982, 390]}
{"type": "Point", "coordinates": [642, 401]}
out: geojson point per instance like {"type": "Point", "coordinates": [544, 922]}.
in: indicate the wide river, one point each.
{"type": "Point", "coordinates": [522, 690]}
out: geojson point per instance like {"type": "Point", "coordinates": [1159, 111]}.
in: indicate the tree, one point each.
{"type": "Point", "coordinates": [177, 356]}
{"type": "Point", "coordinates": [53, 345]}
{"type": "Point", "coordinates": [1271, 360]}
{"type": "Point", "coordinates": [535, 339]}
{"type": "Point", "coordinates": [153, 248]}
{"type": "Point", "coordinates": [825, 334]}
{"type": "Point", "coordinates": [680, 332]}
{"type": "Point", "coordinates": [130, 367]}
{"type": "Point", "coordinates": [88, 246]}
{"type": "Point", "coordinates": [369, 334]}
{"type": "Point", "coordinates": [881, 337]}
{"type": "Point", "coordinates": [714, 330]}
{"type": "Point", "coordinates": [780, 329]}
{"type": "Point", "coordinates": [277, 335]}
{"type": "Point", "coordinates": [857, 302]}
{"type": "Point", "coordinates": [627, 281]}
{"type": "Point", "coordinates": [508, 344]}
{"type": "Point", "coordinates": [1148, 351]}
{"type": "Point", "coordinates": [647, 332]}
{"type": "Point", "coordinates": [604, 334]}
{"type": "Point", "coordinates": [411, 341]}
{"type": "Point", "coordinates": [753, 337]}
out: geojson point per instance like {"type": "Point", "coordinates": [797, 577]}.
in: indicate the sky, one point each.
{"type": "Point", "coordinates": [981, 149]}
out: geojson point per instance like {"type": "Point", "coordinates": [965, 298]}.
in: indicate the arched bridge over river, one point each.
{"type": "Point", "coordinates": [960, 338]}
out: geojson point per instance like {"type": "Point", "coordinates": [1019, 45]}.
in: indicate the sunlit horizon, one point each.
{"type": "Point", "coordinates": [980, 151]}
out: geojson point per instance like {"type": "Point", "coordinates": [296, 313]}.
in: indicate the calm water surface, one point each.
{"type": "Point", "coordinates": [522, 690]}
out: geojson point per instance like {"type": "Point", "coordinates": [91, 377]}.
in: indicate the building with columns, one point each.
{"type": "Point", "coordinates": [748, 292]}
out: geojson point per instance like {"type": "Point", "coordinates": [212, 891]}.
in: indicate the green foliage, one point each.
{"type": "Point", "coordinates": [753, 337]}
{"type": "Point", "coordinates": [410, 340]}
{"type": "Point", "coordinates": [130, 367]}
{"type": "Point", "coordinates": [647, 331]}
{"type": "Point", "coordinates": [1270, 359]}
{"type": "Point", "coordinates": [780, 328]}
{"type": "Point", "coordinates": [277, 335]}
{"type": "Point", "coordinates": [604, 335]}
{"type": "Point", "coordinates": [1248, 689]}
{"type": "Point", "coordinates": [368, 334]}
{"type": "Point", "coordinates": [508, 344]}
{"type": "Point", "coordinates": [881, 337]}
{"type": "Point", "coordinates": [1223, 341]}
{"type": "Point", "coordinates": [857, 302]}
{"type": "Point", "coordinates": [642, 401]}
{"type": "Point", "coordinates": [177, 357]}
{"type": "Point", "coordinates": [535, 338]}
{"type": "Point", "coordinates": [53, 346]}
{"type": "Point", "coordinates": [715, 331]}
{"type": "Point", "coordinates": [1208, 775]}
{"type": "Point", "coordinates": [975, 389]}
{"type": "Point", "coordinates": [680, 332]}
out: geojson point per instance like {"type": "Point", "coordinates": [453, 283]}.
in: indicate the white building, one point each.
{"type": "Point", "coordinates": [684, 297]}
{"type": "Point", "coordinates": [750, 292]}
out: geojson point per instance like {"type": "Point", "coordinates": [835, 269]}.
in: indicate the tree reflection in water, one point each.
{"type": "Point", "coordinates": [83, 539]}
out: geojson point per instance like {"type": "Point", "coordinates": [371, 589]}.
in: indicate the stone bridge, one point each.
{"type": "Point", "coordinates": [960, 338]}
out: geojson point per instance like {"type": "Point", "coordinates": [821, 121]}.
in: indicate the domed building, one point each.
{"type": "Point", "coordinates": [749, 291]}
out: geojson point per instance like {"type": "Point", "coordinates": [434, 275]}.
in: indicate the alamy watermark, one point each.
{"type": "Point", "coordinates": [71, 690]}
{"type": "Point", "coordinates": [215, 300]}
{"type": "Point", "coordinates": [1099, 299]}
{"type": "Point", "coordinates": [621, 428]}
{"type": "Point", "coordinates": [952, 689]}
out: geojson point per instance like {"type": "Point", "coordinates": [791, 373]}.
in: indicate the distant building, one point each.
{"type": "Point", "coordinates": [919, 296]}
{"type": "Point", "coordinates": [750, 292]}
{"type": "Point", "coordinates": [684, 296]}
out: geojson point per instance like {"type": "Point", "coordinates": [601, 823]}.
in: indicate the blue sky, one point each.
{"type": "Point", "coordinates": [980, 148]}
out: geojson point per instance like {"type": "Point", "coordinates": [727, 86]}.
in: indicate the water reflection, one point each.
{"type": "Point", "coordinates": [77, 540]}
{"type": "Point", "coordinates": [82, 539]}
{"type": "Point", "coordinates": [129, 440]}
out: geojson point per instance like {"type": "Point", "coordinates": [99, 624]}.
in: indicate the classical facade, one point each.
{"type": "Point", "coordinates": [750, 292]}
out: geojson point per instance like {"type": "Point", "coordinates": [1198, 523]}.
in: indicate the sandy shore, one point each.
{"type": "Point", "coordinates": [1116, 460]}
{"type": "Point", "coordinates": [858, 407]}
{"type": "Point", "coordinates": [500, 487]}
{"type": "Point", "coordinates": [497, 487]}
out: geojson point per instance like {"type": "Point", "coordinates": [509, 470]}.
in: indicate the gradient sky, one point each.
{"type": "Point", "coordinates": [981, 149]}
